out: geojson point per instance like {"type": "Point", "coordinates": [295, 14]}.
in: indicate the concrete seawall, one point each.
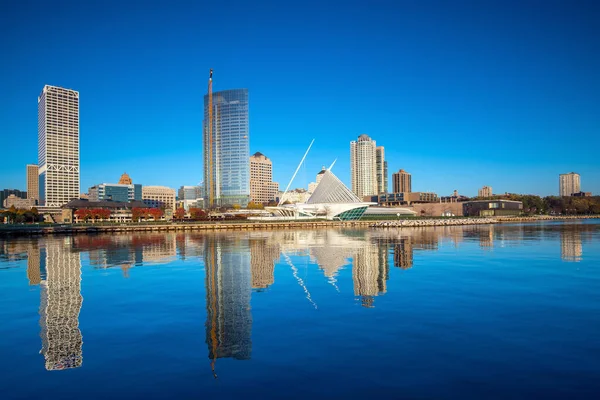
{"type": "Point", "coordinates": [472, 221]}
{"type": "Point", "coordinates": [26, 230]}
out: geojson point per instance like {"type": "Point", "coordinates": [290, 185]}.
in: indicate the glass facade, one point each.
{"type": "Point", "coordinates": [351, 215]}
{"type": "Point", "coordinates": [230, 182]}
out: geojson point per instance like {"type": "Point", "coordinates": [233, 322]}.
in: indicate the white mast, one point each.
{"type": "Point", "coordinates": [291, 180]}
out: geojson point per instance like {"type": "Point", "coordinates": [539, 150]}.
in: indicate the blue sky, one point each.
{"type": "Point", "coordinates": [461, 93]}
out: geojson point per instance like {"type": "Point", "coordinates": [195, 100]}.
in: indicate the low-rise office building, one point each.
{"type": "Point", "coordinates": [115, 192]}
{"type": "Point", "coordinates": [492, 208]}
{"type": "Point", "coordinates": [119, 211]}
{"type": "Point", "coordinates": [159, 197]}
{"type": "Point", "coordinates": [403, 198]}
{"type": "Point", "coordinates": [18, 202]}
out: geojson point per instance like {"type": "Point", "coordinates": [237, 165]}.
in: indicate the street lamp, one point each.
{"type": "Point", "coordinates": [398, 215]}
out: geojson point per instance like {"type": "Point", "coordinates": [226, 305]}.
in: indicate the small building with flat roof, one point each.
{"type": "Point", "coordinates": [492, 208]}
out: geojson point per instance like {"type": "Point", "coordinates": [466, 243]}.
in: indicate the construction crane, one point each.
{"type": "Point", "coordinates": [211, 185]}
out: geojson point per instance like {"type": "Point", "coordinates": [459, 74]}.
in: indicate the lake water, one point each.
{"type": "Point", "coordinates": [505, 311]}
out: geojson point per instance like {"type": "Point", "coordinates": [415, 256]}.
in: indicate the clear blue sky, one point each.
{"type": "Point", "coordinates": [461, 93]}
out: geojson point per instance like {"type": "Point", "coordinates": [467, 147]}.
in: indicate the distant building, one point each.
{"type": "Point", "coordinates": [189, 192]}
{"type": "Point", "coordinates": [569, 183]}
{"type": "Point", "coordinates": [363, 166]}
{"type": "Point", "coordinates": [189, 197]}
{"type": "Point", "coordinates": [262, 187]}
{"type": "Point", "coordinates": [582, 194]}
{"type": "Point", "coordinates": [382, 170]}
{"type": "Point", "coordinates": [159, 196]}
{"type": "Point", "coordinates": [492, 208]}
{"type": "Point", "coordinates": [402, 182]}
{"type": "Point", "coordinates": [7, 192]}
{"type": "Point", "coordinates": [33, 182]}
{"type": "Point", "coordinates": [299, 195]}
{"type": "Point", "coordinates": [485, 191]}
{"type": "Point", "coordinates": [18, 202]}
{"type": "Point", "coordinates": [403, 198]}
{"type": "Point", "coordinates": [58, 146]}
{"type": "Point", "coordinates": [313, 185]}
{"type": "Point", "coordinates": [125, 179]}
{"type": "Point", "coordinates": [115, 192]}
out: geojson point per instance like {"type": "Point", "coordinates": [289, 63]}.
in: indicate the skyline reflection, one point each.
{"type": "Point", "coordinates": [240, 265]}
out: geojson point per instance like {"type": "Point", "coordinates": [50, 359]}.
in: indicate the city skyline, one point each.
{"type": "Point", "coordinates": [429, 117]}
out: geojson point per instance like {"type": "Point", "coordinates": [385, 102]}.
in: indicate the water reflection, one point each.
{"type": "Point", "coordinates": [571, 247]}
{"type": "Point", "coordinates": [60, 304]}
{"type": "Point", "coordinates": [236, 264]}
{"type": "Point", "coordinates": [228, 289]}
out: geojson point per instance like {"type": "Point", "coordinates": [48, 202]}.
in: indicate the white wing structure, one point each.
{"type": "Point", "coordinates": [331, 200]}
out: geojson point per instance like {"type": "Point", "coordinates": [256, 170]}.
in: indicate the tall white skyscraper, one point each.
{"type": "Point", "coordinates": [58, 146]}
{"type": "Point", "coordinates": [569, 183]}
{"type": "Point", "coordinates": [363, 166]}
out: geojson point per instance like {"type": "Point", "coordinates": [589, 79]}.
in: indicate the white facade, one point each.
{"type": "Point", "coordinates": [331, 200]}
{"type": "Point", "coordinates": [58, 146]}
{"type": "Point", "coordinates": [363, 166]}
{"type": "Point", "coordinates": [569, 183]}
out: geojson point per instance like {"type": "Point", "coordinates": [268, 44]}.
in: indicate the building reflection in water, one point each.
{"type": "Point", "coordinates": [264, 253]}
{"type": "Point", "coordinates": [228, 290]}
{"type": "Point", "coordinates": [236, 264]}
{"type": "Point", "coordinates": [403, 253]}
{"type": "Point", "coordinates": [370, 271]}
{"type": "Point", "coordinates": [60, 305]}
{"type": "Point", "coordinates": [571, 248]}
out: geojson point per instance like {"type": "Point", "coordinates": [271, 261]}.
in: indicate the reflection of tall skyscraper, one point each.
{"type": "Point", "coordinates": [486, 237]}
{"type": "Point", "coordinates": [571, 248]}
{"type": "Point", "coordinates": [369, 274]}
{"type": "Point", "coordinates": [60, 305]}
{"type": "Point", "coordinates": [228, 290]}
{"type": "Point", "coordinates": [403, 253]}
{"type": "Point", "coordinates": [33, 265]}
{"type": "Point", "coordinates": [262, 262]}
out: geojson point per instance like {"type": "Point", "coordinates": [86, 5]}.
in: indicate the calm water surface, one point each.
{"type": "Point", "coordinates": [508, 311]}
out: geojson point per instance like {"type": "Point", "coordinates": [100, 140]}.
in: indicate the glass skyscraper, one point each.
{"type": "Point", "coordinates": [230, 183]}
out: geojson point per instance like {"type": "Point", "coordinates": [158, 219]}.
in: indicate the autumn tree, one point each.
{"type": "Point", "coordinates": [197, 214]}
{"type": "Point", "coordinates": [156, 213]}
{"type": "Point", "coordinates": [137, 213]}
{"type": "Point", "coordinates": [180, 213]}
{"type": "Point", "coordinates": [83, 214]}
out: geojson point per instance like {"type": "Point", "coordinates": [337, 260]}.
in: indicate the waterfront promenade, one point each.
{"type": "Point", "coordinates": [68, 229]}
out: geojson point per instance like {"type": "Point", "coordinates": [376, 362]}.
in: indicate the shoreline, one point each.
{"type": "Point", "coordinates": [244, 226]}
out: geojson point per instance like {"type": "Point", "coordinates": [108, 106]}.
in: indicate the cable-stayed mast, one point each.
{"type": "Point", "coordinates": [211, 183]}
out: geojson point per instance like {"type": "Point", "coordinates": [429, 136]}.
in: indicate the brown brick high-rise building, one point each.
{"type": "Point", "coordinates": [402, 182]}
{"type": "Point", "coordinates": [262, 187]}
{"type": "Point", "coordinates": [33, 182]}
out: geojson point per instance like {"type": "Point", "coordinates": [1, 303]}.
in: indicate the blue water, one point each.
{"type": "Point", "coordinates": [506, 311]}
